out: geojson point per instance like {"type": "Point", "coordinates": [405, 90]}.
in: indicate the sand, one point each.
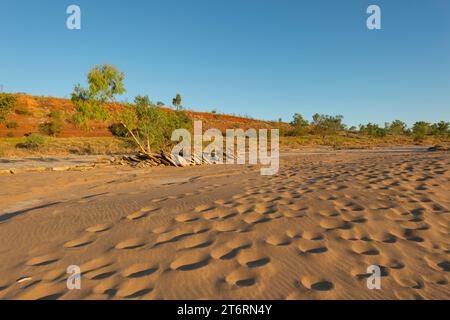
{"type": "Point", "coordinates": [226, 232]}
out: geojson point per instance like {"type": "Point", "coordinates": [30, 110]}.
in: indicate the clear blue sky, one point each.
{"type": "Point", "coordinates": [267, 59]}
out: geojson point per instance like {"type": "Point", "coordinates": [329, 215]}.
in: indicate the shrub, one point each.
{"type": "Point", "coordinates": [373, 130]}
{"type": "Point", "coordinates": [440, 129]}
{"type": "Point", "coordinates": [10, 135]}
{"type": "Point", "coordinates": [7, 105]}
{"type": "Point", "coordinates": [23, 112]}
{"type": "Point", "coordinates": [397, 127]}
{"type": "Point", "coordinates": [105, 81]}
{"type": "Point", "coordinates": [327, 125]}
{"type": "Point", "coordinates": [118, 130]}
{"type": "Point", "coordinates": [420, 130]}
{"type": "Point", "coordinates": [12, 125]}
{"type": "Point", "coordinates": [33, 141]}
{"type": "Point", "coordinates": [149, 126]}
{"type": "Point", "coordinates": [54, 126]}
{"type": "Point", "coordinates": [300, 126]}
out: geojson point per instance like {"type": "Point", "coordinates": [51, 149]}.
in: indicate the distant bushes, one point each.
{"type": "Point", "coordinates": [33, 141]}
{"type": "Point", "coordinates": [7, 105]}
{"type": "Point", "coordinates": [329, 126]}
{"type": "Point", "coordinates": [12, 125]}
{"type": "Point", "coordinates": [22, 111]}
{"type": "Point", "coordinates": [55, 124]}
{"type": "Point", "coordinates": [373, 130]}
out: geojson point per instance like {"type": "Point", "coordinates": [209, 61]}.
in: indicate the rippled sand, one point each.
{"type": "Point", "coordinates": [226, 232]}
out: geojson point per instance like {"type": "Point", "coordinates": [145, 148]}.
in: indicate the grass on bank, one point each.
{"type": "Point", "coordinates": [23, 147]}
{"type": "Point", "coordinates": [37, 145]}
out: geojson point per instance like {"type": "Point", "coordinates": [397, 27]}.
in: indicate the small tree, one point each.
{"type": "Point", "coordinates": [7, 105]}
{"type": "Point", "coordinates": [440, 129]}
{"type": "Point", "coordinates": [327, 125]}
{"type": "Point", "coordinates": [55, 124]}
{"type": "Point", "coordinates": [149, 126]}
{"type": "Point", "coordinates": [144, 122]}
{"type": "Point", "coordinates": [373, 130]}
{"type": "Point", "coordinates": [176, 102]}
{"type": "Point", "coordinates": [397, 127]}
{"type": "Point", "coordinates": [420, 130]}
{"type": "Point", "coordinates": [104, 83]}
{"type": "Point", "coordinates": [300, 124]}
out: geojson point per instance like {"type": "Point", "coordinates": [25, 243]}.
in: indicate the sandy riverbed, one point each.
{"type": "Point", "coordinates": [226, 232]}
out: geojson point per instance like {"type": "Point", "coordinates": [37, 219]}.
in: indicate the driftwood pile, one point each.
{"type": "Point", "coordinates": [163, 159]}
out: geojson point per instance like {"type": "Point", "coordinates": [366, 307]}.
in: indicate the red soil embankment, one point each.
{"type": "Point", "coordinates": [30, 111]}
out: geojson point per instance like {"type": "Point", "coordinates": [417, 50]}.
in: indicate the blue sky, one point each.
{"type": "Point", "coordinates": [266, 59]}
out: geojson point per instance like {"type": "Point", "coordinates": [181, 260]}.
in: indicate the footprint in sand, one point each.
{"type": "Point", "coordinates": [134, 289]}
{"type": "Point", "coordinates": [54, 275]}
{"type": "Point", "coordinates": [230, 249]}
{"type": "Point", "coordinates": [312, 235]}
{"type": "Point", "coordinates": [438, 263]}
{"type": "Point", "coordinates": [317, 283]}
{"type": "Point", "coordinates": [140, 270]}
{"type": "Point", "coordinates": [101, 274]}
{"type": "Point", "coordinates": [294, 233]}
{"type": "Point", "coordinates": [383, 236]}
{"type": "Point", "coordinates": [241, 278]}
{"type": "Point", "coordinates": [198, 241]}
{"type": "Point", "coordinates": [255, 218]}
{"type": "Point", "coordinates": [44, 291]}
{"type": "Point", "coordinates": [80, 242]}
{"type": "Point", "coordinates": [311, 247]}
{"type": "Point", "coordinates": [107, 287]}
{"type": "Point", "coordinates": [96, 264]}
{"type": "Point", "coordinates": [99, 228]}
{"type": "Point", "coordinates": [130, 244]}
{"type": "Point", "coordinates": [364, 248]}
{"type": "Point", "coordinates": [245, 208]}
{"type": "Point", "coordinates": [141, 213]}
{"type": "Point", "coordinates": [204, 208]}
{"type": "Point", "coordinates": [43, 260]}
{"type": "Point", "coordinates": [190, 261]}
{"type": "Point", "coordinates": [333, 223]}
{"type": "Point", "coordinates": [252, 259]}
{"type": "Point", "coordinates": [187, 217]}
{"type": "Point", "coordinates": [278, 240]}
{"type": "Point", "coordinates": [230, 226]}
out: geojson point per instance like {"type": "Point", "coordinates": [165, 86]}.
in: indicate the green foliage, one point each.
{"type": "Point", "coordinates": [12, 125]}
{"type": "Point", "coordinates": [176, 102]}
{"type": "Point", "coordinates": [32, 141]}
{"type": "Point", "coordinates": [55, 124]}
{"type": "Point", "coordinates": [373, 130]}
{"type": "Point", "coordinates": [327, 125]}
{"type": "Point", "coordinates": [105, 81]}
{"type": "Point", "coordinates": [300, 125]}
{"type": "Point", "coordinates": [397, 127]}
{"type": "Point", "coordinates": [420, 130]}
{"type": "Point", "coordinates": [23, 112]}
{"type": "Point", "coordinates": [118, 130]}
{"type": "Point", "coordinates": [7, 105]}
{"type": "Point", "coordinates": [440, 129]}
{"type": "Point", "coordinates": [149, 126]}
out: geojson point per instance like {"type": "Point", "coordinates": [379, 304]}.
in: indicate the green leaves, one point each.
{"type": "Point", "coordinates": [105, 81]}
{"type": "Point", "coordinates": [149, 126]}
{"type": "Point", "coordinates": [7, 105]}
{"type": "Point", "coordinates": [177, 101]}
